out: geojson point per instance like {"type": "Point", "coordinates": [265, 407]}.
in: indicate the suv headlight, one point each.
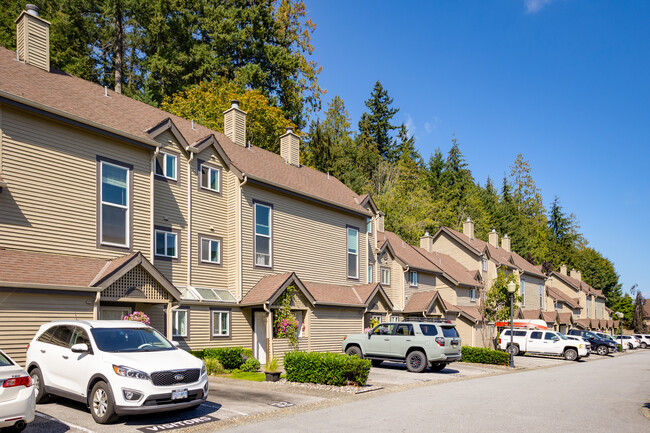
{"type": "Point", "coordinates": [121, 370]}
{"type": "Point", "coordinates": [203, 369]}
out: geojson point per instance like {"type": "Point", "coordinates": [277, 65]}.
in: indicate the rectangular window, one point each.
{"type": "Point", "coordinates": [413, 278]}
{"type": "Point", "coordinates": [165, 165]}
{"type": "Point", "coordinates": [369, 274]}
{"type": "Point", "coordinates": [263, 235]}
{"type": "Point", "coordinates": [166, 244]}
{"type": "Point", "coordinates": [484, 264]}
{"type": "Point", "coordinates": [211, 250]}
{"type": "Point", "coordinates": [472, 295]}
{"type": "Point", "coordinates": [220, 323]}
{"type": "Point", "coordinates": [523, 293]}
{"type": "Point", "coordinates": [557, 306]}
{"type": "Point", "coordinates": [114, 202]}
{"type": "Point", "coordinates": [179, 325]}
{"type": "Point", "coordinates": [369, 226]}
{"type": "Point", "coordinates": [394, 318]}
{"type": "Point", "coordinates": [353, 253]}
{"type": "Point", "coordinates": [385, 276]}
{"type": "Point", "coordinates": [210, 178]}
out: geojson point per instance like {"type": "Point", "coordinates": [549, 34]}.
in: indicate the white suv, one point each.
{"type": "Point", "coordinates": [115, 367]}
{"type": "Point", "coordinates": [543, 343]}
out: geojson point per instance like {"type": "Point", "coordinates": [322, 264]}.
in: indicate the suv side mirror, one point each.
{"type": "Point", "coordinates": [80, 348]}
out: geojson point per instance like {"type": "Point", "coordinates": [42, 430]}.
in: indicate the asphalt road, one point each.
{"type": "Point", "coordinates": [603, 396]}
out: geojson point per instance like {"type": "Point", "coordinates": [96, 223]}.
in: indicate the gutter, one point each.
{"type": "Point", "coordinates": [16, 285]}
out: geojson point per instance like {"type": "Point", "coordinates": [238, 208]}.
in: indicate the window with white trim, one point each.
{"type": "Point", "coordinates": [472, 295]}
{"type": "Point", "coordinates": [353, 252]}
{"type": "Point", "coordinates": [220, 323]}
{"type": "Point", "coordinates": [369, 274]}
{"type": "Point", "coordinates": [165, 165]}
{"type": "Point", "coordinates": [179, 324]}
{"type": "Point", "coordinates": [263, 233]}
{"type": "Point", "coordinates": [369, 226]}
{"type": "Point", "coordinates": [541, 297]}
{"type": "Point", "coordinates": [210, 178]}
{"type": "Point", "coordinates": [523, 293]}
{"type": "Point", "coordinates": [413, 278]}
{"type": "Point", "coordinates": [166, 244]}
{"type": "Point", "coordinates": [385, 276]}
{"type": "Point", "coordinates": [114, 202]}
{"type": "Point", "coordinates": [210, 250]}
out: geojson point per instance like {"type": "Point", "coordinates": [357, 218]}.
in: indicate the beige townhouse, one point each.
{"type": "Point", "coordinates": [109, 206]}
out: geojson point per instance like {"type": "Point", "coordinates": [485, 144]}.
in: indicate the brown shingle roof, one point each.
{"type": "Point", "coordinates": [266, 287]}
{"type": "Point", "coordinates": [549, 316]}
{"type": "Point", "coordinates": [451, 267]}
{"type": "Point", "coordinates": [579, 285]}
{"type": "Point", "coordinates": [407, 253]}
{"type": "Point", "coordinates": [564, 318]}
{"type": "Point", "coordinates": [420, 301]}
{"type": "Point", "coordinates": [558, 295]}
{"type": "Point", "coordinates": [334, 294]}
{"type": "Point", "coordinates": [85, 101]}
{"type": "Point", "coordinates": [530, 314]}
{"type": "Point", "coordinates": [473, 312]}
{"type": "Point", "coordinates": [583, 323]}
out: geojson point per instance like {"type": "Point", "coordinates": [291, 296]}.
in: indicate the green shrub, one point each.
{"type": "Point", "coordinates": [230, 357]}
{"type": "Point", "coordinates": [214, 366]}
{"type": "Point", "coordinates": [326, 368]}
{"type": "Point", "coordinates": [482, 355]}
{"type": "Point", "coordinates": [618, 347]}
{"type": "Point", "coordinates": [251, 364]}
{"type": "Point", "coordinates": [197, 353]}
{"type": "Point", "coordinates": [248, 353]}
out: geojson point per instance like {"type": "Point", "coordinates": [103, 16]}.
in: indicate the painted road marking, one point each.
{"type": "Point", "coordinates": [282, 404]}
{"type": "Point", "coordinates": [51, 418]}
{"type": "Point", "coordinates": [179, 424]}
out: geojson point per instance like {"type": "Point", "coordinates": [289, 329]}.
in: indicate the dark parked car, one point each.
{"type": "Point", "coordinates": [598, 345]}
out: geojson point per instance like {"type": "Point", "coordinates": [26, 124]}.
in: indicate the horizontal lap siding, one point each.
{"type": "Point", "coordinates": [307, 238]}
{"type": "Point", "coordinates": [170, 210]}
{"type": "Point", "coordinates": [210, 218]}
{"type": "Point", "coordinates": [21, 314]}
{"type": "Point", "coordinates": [327, 327]}
{"type": "Point", "coordinates": [199, 338]}
{"type": "Point", "coordinates": [465, 330]}
{"type": "Point", "coordinates": [445, 245]}
{"type": "Point", "coordinates": [51, 201]}
{"type": "Point", "coordinates": [394, 289]}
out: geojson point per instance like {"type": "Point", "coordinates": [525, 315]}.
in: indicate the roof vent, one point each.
{"type": "Point", "coordinates": [32, 10]}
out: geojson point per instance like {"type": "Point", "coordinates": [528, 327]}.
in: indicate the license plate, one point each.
{"type": "Point", "coordinates": [179, 394]}
{"type": "Point", "coordinates": [454, 344]}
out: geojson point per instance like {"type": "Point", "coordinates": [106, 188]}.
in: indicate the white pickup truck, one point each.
{"type": "Point", "coordinates": [542, 343]}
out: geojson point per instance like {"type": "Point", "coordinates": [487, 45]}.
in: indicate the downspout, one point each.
{"type": "Point", "coordinates": [404, 286]}
{"type": "Point", "coordinates": [269, 332]}
{"type": "Point", "coordinates": [151, 205]}
{"type": "Point", "coordinates": [240, 266]}
{"type": "Point", "coordinates": [96, 306]}
{"type": "Point", "coordinates": [170, 315]}
{"type": "Point", "coordinates": [189, 220]}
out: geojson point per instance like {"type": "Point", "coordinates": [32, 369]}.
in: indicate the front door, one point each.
{"type": "Point", "coordinates": [260, 336]}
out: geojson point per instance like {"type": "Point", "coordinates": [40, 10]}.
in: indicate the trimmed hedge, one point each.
{"type": "Point", "coordinates": [326, 368]}
{"type": "Point", "coordinates": [197, 353]}
{"type": "Point", "coordinates": [229, 357]}
{"type": "Point", "coordinates": [482, 355]}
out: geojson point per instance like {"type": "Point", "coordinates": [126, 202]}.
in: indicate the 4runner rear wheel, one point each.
{"type": "Point", "coordinates": [571, 355]}
{"type": "Point", "coordinates": [416, 362]}
{"type": "Point", "coordinates": [514, 349]}
{"type": "Point", "coordinates": [602, 350]}
{"type": "Point", "coordinates": [354, 350]}
{"type": "Point", "coordinates": [438, 366]}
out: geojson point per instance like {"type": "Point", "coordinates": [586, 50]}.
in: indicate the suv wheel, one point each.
{"type": "Point", "coordinates": [514, 349]}
{"type": "Point", "coordinates": [39, 386]}
{"type": "Point", "coordinates": [354, 350]}
{"type": "Point", "coordinates": [416, 361]}
{"type": "Point", "coordinates": [571, 355]}
{"type": "Point", "coordinates": [644, 345]}
{"type": "Point", "coordinates": [602, 350]}
{"type": "Point", "coordinates": [630, 345]}
{"type": "Point", "coordinates": [438, 366]}
{"type": "Point", "coordinates": [102, 405]}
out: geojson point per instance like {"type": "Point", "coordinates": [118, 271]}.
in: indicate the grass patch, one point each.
{"type": "Point", "coordinates": [253, 376]}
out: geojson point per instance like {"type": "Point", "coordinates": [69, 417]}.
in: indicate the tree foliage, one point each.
{"type": "Point", "coordinates": [496, 305]}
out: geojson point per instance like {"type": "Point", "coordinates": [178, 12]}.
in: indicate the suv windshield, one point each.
{"type": "Point", "coordinates": [591, 335]}
{"type": "Point", "coordinates": [130, 340]}
{"type": "Point", "coordinates": [449, 332]}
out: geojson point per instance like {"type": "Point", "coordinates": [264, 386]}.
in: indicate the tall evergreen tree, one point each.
{"type": "Point", "coordinates": [378, 120]}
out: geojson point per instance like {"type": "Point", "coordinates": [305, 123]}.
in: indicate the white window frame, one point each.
{"type": "Point", "coordinates": [472, 295]}
{"type": "Point", "coordinates": [354, 253]}
{"type": "Point", "coordinates": [166, 233]}
{"type": "Point", "coordinates": [175, 326]}
{"type": "Point", "coordinates": [370, 272]}
{"type": "Point", "coordinates": [218, 313]}
{"type": "Point", "coordinates": [126, 207]}
{"type": "Point", "coordinates": [369, 226]}
{"type": "Point", "coordinates": [203, 259]}
{"type": "Point", "coordinates": [394, 319]}
{"type": "Point", "coordinates": [386, 281]}
{"type": "Point", "coordinates": [541, 297]}
{"type": "Point", "coordinates": [164, 173]}
{"type": "Point", "coordinates": [261, 235]}
{"type": "Point", "coordinates": [210, 171]}
{"type": "Point", "coordinates": [413, 278]}
{"type": "Point", "coordinates": [523, 293]}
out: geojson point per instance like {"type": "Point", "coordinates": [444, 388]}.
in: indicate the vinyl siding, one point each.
{"type": "Point", "coordinates": [446, 245]}
{"type": "Point", "coordinates": [328, 326]}
{"type": "Point", "coordinates": [50, 204]}
{"type": "Point", "coordinates": [532, 291]}
{"type": "Point", "coordinates": [426, 282]}
{"type": "Point", "coordinates": [465, 330]}
{"type": "Point", "coordinates": [307, 238]}
{"type": "Point", "coordinates": [241, 331]}
{"type": "Point", "coordinates": [21, 314]}
{"type": "Point", "coordinates": [447, 291]}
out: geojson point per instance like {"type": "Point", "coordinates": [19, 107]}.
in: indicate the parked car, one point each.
{"type": "Point", "coordinates": [581, 339]}
{"type": "Point", "coordinates": [599, 345]}
{"type": "Point", "coordinates": [115, 367]}
{"type": "Point", "coordinates": [605, 336]}
{"type": "Point", "coordinates": [542, 343]}
{"type": "Point", "coordinates": [16, 395]}
{"type": "Point", "coordinates": [630, 341]}
{"type": "Point", "coordinates": [418, 344]}
{"type": "Point", "coordinates": [644, 340]}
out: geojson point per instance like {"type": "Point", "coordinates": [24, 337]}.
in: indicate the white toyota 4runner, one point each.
{"type": "Point", "coordinates": [115, 367]}
{"type": "Point", "coordinates": [542, 343]}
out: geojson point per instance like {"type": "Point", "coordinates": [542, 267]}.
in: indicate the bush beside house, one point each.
{"type": "Point", "coordinates": [326, 368]}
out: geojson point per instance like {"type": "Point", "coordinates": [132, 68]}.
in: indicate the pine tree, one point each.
{"type": "Point", "coordinates": [378, 120]}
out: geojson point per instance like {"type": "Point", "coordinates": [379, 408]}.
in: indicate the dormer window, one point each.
{"type": "Point", "coordinates": [165, 165]}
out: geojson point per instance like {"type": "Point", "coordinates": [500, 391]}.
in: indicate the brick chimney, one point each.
{"type": "Point", "coordinates": [576, 274]}
{"type": "Point", "coordinates": [234, 124]}
{"type": "Point", "coordinates": [33, 38]}
{"type": "Point", "coordinates": [493, 238]}
{"type": "Point", "coordinates": [505, 243]}
{"type": "Point", "coordinates": [563, 269]}
{"type": "Point", "coordinates": [380, 221]}
{"type": "Point", "coordinates": [426, 242]}
{"type": "Point", "coordinates": [468, 228]}
{"type": "Point", "coordinates": [290, 147]}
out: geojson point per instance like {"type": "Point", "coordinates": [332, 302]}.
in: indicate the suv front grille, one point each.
{"type": "Point", "coordinates": [174, 377]}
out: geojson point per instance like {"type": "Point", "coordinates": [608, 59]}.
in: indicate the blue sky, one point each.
{"type": "Point", "coordinates": [564, 82]}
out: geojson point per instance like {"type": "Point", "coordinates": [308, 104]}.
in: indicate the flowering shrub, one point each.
{"type": "Point", "coordinates": [138, 316]}
{"type": "Point", "coordinates": [285, 323]}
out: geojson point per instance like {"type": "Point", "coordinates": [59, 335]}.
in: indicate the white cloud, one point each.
{"type": "Point", "coordinates": [410, 125]}
{"type": "Point", "coordinates": [534, 6]}
{"type": "Point", "coordinates": [430, 126]}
